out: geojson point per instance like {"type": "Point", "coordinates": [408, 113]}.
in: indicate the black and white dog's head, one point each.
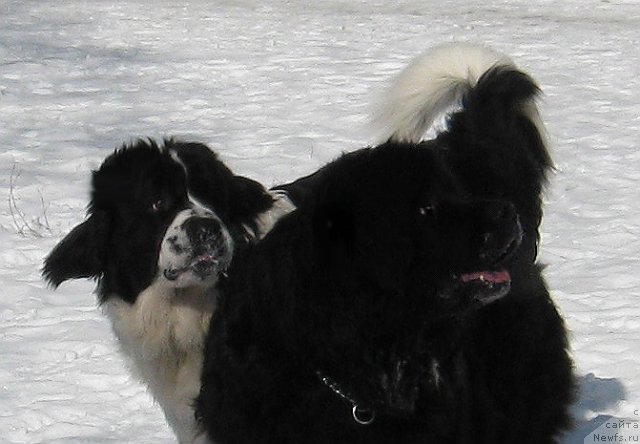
{"type": "Point", "coordinates": [167, 214]}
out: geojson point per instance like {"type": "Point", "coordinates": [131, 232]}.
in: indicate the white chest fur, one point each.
{"type": "Point", "coordinates": [163, 335]}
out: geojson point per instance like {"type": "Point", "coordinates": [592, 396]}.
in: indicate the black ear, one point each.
{"type": "Point", "coordinates": [248, 198]}
{"type": "Point", "coordinates": [80, 254]}
{"type": "Point", "coordinates": [301, 190]}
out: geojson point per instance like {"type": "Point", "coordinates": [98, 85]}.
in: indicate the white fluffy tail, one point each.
{"type": "Point", "coordinates": [426, 88]}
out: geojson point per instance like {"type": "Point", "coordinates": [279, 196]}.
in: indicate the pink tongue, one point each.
{"type": "Point", "coordinates": [494, 277]}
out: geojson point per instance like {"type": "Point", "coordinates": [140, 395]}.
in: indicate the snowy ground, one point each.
{"type": "Point", "coordinates": [280, 87]}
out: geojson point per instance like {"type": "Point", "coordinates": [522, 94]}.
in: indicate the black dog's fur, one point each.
{"type": "Point", "coordinates": [357, 299]}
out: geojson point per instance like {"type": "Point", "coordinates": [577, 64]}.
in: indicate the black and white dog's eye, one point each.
{"type": "Point", "coordinates": [156, 207]}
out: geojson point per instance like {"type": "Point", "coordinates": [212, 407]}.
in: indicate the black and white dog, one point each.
{"type": "Point", "coordinates": [401, 302]}
{"type": "Point", "coordinates": [164, 222]}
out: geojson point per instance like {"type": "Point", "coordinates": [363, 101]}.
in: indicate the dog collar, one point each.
{"type": "Point", "coordinates": [361, 413]}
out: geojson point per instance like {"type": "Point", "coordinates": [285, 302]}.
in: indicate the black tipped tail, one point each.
{"type": "Point", "coordinates": [504, 103]}
{"type": "Point", "coordinates": [502, 108]}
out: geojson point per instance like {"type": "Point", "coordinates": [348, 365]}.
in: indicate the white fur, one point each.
{"type": "Point", "coordinates": [435, 372]}
{"type": "Point", "coordinates": [282, 206]}
{"type": "Point", "coordinates": [162, 335]}
{"type": "Point", "coordinates": [432, 83]}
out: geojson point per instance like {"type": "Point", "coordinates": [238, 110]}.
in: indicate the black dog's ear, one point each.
{"type": "Point", "coordinates": [248, 198]}
{"type": "Point", "coordinates": [79, 255]}
{"type": "Point", "coordinates": [301, 190]}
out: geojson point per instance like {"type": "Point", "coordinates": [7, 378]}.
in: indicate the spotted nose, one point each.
{"type": "Point", "coordinates": [202, 230]}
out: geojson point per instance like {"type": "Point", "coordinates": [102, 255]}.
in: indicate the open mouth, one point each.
{"type": "Point", "coordinates": [486, 287]}
{"type": "Point", "coordinates": [203, 266]}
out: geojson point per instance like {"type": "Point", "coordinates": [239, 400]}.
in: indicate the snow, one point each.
{"type": "Point", "coordinates": [279, 88]}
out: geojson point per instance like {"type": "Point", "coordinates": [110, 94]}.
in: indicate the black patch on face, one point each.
{"type": "Point", "coordinates": [141, 189]}
{"type": "Point", "coordinates": [237, 200]}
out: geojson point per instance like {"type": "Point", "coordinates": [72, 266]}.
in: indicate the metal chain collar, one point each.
{"type": "Point", "coordinates": [363, 415]}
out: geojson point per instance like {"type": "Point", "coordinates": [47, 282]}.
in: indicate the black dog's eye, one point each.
{"type": "Point", "coordinates": [427, 210]}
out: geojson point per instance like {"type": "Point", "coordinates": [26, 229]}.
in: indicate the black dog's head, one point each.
{"type": "Point", "coordinates": [400, 218]}
{"type": "Point", "coordinates": [387, 255]}
{"type": "Point", "coordinates": [170, 214]}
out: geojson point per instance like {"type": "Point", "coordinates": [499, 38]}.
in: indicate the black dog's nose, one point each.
{"type": "Point", "coordinates": [202, 230]}
{"type": "Point", "coordinates": [502, 231]}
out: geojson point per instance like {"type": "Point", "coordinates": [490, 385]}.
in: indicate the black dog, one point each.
{"type": "Point", "coordinates": [164, 223]}
{"type": "Point", "coordinates": [401, 302]}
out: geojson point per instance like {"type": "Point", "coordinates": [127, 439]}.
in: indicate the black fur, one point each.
{"type": "Point", "coordinates": [363, 284]}
{"type": "Point", "coordinates": [119, 242]}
